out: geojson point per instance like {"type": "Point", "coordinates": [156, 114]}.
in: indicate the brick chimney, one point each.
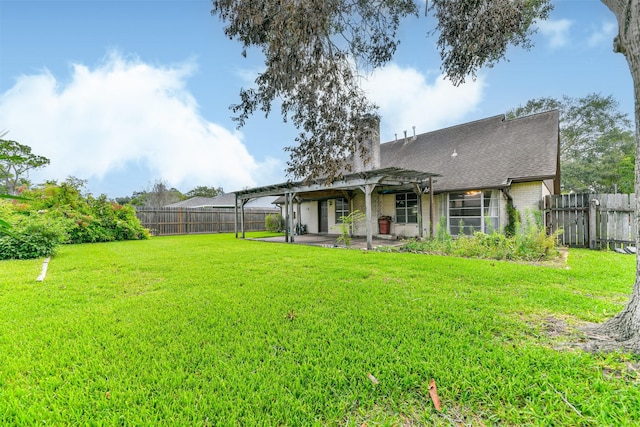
{"type": "Point", "coordinates": [371, 145]}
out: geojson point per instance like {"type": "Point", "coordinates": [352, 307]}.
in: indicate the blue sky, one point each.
{"type": "Point", "coordinates": [126, 92]}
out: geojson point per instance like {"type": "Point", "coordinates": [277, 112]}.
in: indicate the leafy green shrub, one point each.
{"type": "Point", "coordinates": [529, 243]}
{"type": "Point", "coordinates": [90, 219]}
{"type": "Point", "coordinates": [53, 214]}
{"type": "Point", "coordinates": [274, 223]}
{"type": "Point", "coordinates": [33, 236]}
{"type": "Point", "coordinates": [104, 221]}
{"type": "Point", "coordinates": [532, 241]}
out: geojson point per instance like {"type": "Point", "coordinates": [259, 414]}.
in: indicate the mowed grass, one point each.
{"type": "Point", "coordinates": [213, 330]}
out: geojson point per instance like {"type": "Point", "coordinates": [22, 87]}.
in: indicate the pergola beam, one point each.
{"type": "Point", "coordinates": [384, 177]}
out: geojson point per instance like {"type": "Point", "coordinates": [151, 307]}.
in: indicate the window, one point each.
{"type": "Point", "coordinates": [473, 211]}
{"type": "Point", "coordinates": [342, 209]}
{"type": "Point", "coordinates": [406, 208]}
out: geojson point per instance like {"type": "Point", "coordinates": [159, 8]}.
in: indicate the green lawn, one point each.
{"type": "Point", "coordinates": [210, 330]}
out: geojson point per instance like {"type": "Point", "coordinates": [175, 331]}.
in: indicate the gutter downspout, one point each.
{"type": "Point", "coordinates": [432, 233]}
{"type": "Point", "coordinates": [510, 208]}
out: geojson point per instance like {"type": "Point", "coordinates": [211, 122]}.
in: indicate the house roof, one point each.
{"type": "Point", "coordinates": [487, 153]}
{"type": "Point", "coordinates": [490, 153]}
{"type": "Point", "coordinates": [226, 200]}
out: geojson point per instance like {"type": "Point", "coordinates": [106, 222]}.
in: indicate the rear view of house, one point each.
{"type": "Point", "coordinates": [483, 166]}
{"type": "Point", "coordinates": [464, 176]}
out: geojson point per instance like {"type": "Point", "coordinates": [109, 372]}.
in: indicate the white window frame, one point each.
{"type": "Point", "coordinates": [489, 215]}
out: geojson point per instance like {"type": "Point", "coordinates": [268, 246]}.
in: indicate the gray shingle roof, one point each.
{"type": "Point", "coordinates": [221, 201]}
{"type": "Point", "coordinates": [226, 200]}
{"type": "Point", "coordinates": [490, 152]}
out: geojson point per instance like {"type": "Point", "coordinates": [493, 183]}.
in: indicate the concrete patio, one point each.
{"type": "Point", "coordinates": [331, 241]}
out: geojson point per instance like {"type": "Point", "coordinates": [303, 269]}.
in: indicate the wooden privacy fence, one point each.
{"type": "Point", "coordinates": [595, 221]}
{"type": "Point", "coordinates": [171, 221]}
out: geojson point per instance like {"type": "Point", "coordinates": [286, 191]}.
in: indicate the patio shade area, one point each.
{"type": "Point", "coordinates": [365, 181]}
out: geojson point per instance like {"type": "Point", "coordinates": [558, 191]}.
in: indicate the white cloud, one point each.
{"type": "Point", "coordinates": [407, 99]}
{"type": "Point", "coordinates": [604, 34]}
{"type": "Point", "coordinates": [125, 112]}
{"type": "Point", "coordinates": [556, 31]}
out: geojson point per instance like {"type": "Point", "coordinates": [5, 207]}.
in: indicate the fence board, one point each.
{"type": "Point", "coordinates": [569, 213]}
{"type": "Point", "coordinates": [173, 221]}
{"type": "Point", "coordinates": [613, 224]}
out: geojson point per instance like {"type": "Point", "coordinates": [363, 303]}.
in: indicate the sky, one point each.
{"type": "Point", "coordinates": [124, 93]}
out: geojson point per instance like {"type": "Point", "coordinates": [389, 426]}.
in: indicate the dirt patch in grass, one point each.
{"type": "Point", "coordinates": [565, 333]}
{"type": "Point", "coordinates": [561, 261]}
{"type": "Point", "coordinates": [617, 362]}
{"type": "Point", "coordinates": [419, 415]}
{"type": "Point", "coordinates": [629, 371]}
{"type": "Point", "coordinates": [554, 327]}
{"type": "Point", "coordinates": [585, 336]}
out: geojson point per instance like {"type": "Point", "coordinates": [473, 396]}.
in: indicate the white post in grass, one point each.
{"type": "Point", "coordinates": [43, 273]}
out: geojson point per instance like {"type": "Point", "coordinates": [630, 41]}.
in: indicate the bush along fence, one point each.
{"type": "Point", "coordinates": [595, 221]}
{"type": "Point", "coordinates": [172, 221]}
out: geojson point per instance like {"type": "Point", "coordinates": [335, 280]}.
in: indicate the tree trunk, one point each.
{"type": "Point", "coordinates": [625, 326]}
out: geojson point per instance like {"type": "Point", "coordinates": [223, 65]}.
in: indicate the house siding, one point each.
{"type": "Point", "coordinates": [504, 215]}
{"type": "Point", "coordinates": [526, 199]}
{"type": "Point", "coordinates": [308, 215]}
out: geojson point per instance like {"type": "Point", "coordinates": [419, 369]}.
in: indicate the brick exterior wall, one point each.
{"type": "Point", "coordinates": [527, 197]}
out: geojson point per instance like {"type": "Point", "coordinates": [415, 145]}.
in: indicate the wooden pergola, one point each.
{"type": "Point", "coordinates": [365, 181]}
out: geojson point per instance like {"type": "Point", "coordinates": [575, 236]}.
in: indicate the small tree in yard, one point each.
{"type": "Point", "coordinates": [348, 225]}
{"type": "Point", "coordinates": [314, 50]}
{"type": "Point", "coordinates": [16, 160]}
{"type": "Point", "coordinates": [274, 223]}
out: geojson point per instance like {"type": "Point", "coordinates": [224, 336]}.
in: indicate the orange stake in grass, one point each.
{"type": "Point", "coordinates": [433, 392]}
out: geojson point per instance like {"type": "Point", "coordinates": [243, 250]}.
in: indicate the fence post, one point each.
{"type": "Point", "coordinates": [593, 223]}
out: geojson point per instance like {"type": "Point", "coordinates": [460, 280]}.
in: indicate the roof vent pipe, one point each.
{"type": "Point", "coordinates": [414, 134]}
{"type": "Point", "coordinates": [396, 137]}
{"type": "Point", "coordinates": [405, 136]}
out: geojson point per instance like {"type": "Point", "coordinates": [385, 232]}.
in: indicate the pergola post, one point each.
{"type": "Point", "coordinates": [368, 189]}
{"type": "Point", "coordinates": [432, 214]}
{"type": "Point", "coordinates": [299, 208]}
{"type": "Point", "coordinates": [418, 191]}
{"type": "Point", "coordinates": [242, 203]}
{"type": "Point", "coordinates": [290, 214]}
{"type": "Point", "coordinates": [235, 217]}
{"type": "Point", "coordinates": [286, 216]}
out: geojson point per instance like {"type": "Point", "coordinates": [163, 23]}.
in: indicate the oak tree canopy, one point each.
{"type": "Point", "coordinates": [316, 52]}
